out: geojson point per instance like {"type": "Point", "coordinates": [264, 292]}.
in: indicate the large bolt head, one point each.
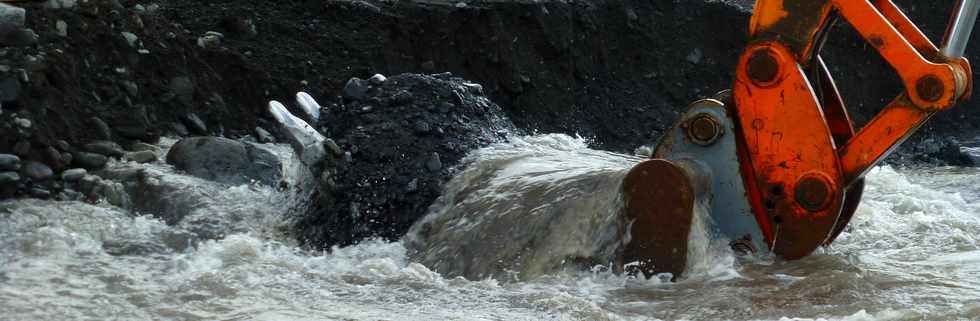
{"type": "Point", "coordinates": [704, 129]}
{"type": "Point", "coordinates": [813, 192]}
{"type": "Point", "coordinates": [929, 88]}
{"type": "Point", "coordinates": [762, 67]}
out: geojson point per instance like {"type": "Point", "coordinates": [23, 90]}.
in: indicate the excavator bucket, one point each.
{"type": "Point", "coordinates": [659, 202]}
{"type": "Point", "coordinates": [694, 168]}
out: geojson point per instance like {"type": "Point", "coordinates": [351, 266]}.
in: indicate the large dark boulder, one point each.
{"type": "Point", "coordinates": [225, 160]}
{"type": "Point", "coordinates": [391, 150]}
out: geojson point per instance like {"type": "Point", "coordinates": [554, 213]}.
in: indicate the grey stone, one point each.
{"type": "Point", "coordinates": [695, 56]}
{"type": "Point", "coordinates": [9, 89]}
{"type": "Point", "coordinates": [333, 147]}
{"type": "Point", "coordinates": [22, 122]}
{"type": "Point", "coordinates": [60, 4]}
{"type": "Point", "coordinates": [63, 145]}
{"type": "Point", "coordinates": [88, 183]}
{"type": "Point", "coordinates": [312, 156]}
{"type": "Point", "coordinates": [434, 163]}
{"type": "Point", "coordinates": [356, 88]}
{"type": "Point", "coordinates": [66, 158]}
{"type": "Point", "coordinates": [132, 131]}
{"type": "Point", "coordinates": [195, 124]}
{"type": "Point", "coordinates": [422, 127]}
{"type": "Point", "coordinates": [142, 156]}
{"type": "Point", "coordinates": [412, 186]}
{"type": "Point", "coordinates": [40, 192]}
{"type": "Point", "coordinates": [429, 65]}
{"type": "Point", "coordinates": [37, 171]}
{"type": "Point", "coordinates": [73, 174]}
{"type": "Point", "coordinates": [7, 178]}
{"type": "Point", "coordinates": [263, 136]}
{"type": "Point", "coordinates": [112, 192]}
{"type": "Point", "coordinates": [403, 97]}
{"type": "Point", "coordinates": [101, 128]}
{"type": "Point", "coordinates": [9, 162]}
{"type": "Point", "coordinates": [131, 38]}
{"type": "Point", "coordinates": [183, 88]}
{"type": "Point", "coordinates": [179, 129]}
{"type": "Point", "coordinates": [475, 89]}
{"type": "Point", "coordinates": [210, 40]}
{"type": "Point", "coordinates": [131, 88]}
{"type": "Point", "coordinates": [225, 160]}
{"type": "Point", "coordinates": [103, 147]}
{"type": "Point", "coordinates": [22, 148]}
{"type": "Point", "coordinates": [90, 160]}
{"type": "Point", "coordinates": [62, 28]}
{"type": "Point", "coordinates": [12, 15]}
{"type": "Point", "coordinates": [53, 157]}
{"type": "Point", "coordinates": [68, 195]}
{"type": "Point", "coordinates": [377, 79]}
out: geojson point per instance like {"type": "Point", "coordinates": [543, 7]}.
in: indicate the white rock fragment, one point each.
{"type": "Point", "coordinates": [23, 122]}
{"type": "Point", "coordinates": [377, 79]}
{"type": "Point", "coordinates": [131, 38]}
{"type": "Point", "coordinates": [60, 4]}
{"type": "Point", "coordinates": [643, 151]}
{"type": "Point", "coordinates": [309, 105]}
{"type": "Point", "coordinates": [305, 141]}
{"type": "Point", "coordinates": [12, 15]}
{"type": "Point", "coordinates": [210, 40]}
{"type": "Point", "coordinates": [297, 129]}
{"type": "Point", "coordinates": [62, 28]}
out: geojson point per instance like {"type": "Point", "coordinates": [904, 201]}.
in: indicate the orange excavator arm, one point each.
{"type": "Point", "coordinates": [802, 163]}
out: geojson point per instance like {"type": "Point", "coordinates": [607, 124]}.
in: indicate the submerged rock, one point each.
{"type": "Point", "coordinates": [107, 148]}
{"type": "Point", "coordinates": [89, 160]}
{"type": "Point", "coordinates": [37, 171]}
{"type": "Point", "coordinates": [9, 162]}
{"type": "Point", "coordinates": [145, 156]}
{"type": "Point", "coordinates": [225, 160]}
{"type": "Point", "coordinates": [73, 174]}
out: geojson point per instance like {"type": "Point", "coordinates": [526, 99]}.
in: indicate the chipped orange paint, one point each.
{"type": "Point", "coordinates": [766, 13]}
{"type": "Point", "coordinates": [787, 138]}
{"type": "Point", "coordinates": [784, 135]}
{"type": "Point", "coordinates": [896, 49]}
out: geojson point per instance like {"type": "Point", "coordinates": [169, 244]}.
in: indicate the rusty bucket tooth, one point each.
{"type": "Point", "coordinates": [659, 199]}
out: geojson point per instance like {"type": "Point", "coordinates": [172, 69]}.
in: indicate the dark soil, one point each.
{"type": "Point", "coordinates": [617, 71]}
{"type": "Point", "coordinates": [398, 144]}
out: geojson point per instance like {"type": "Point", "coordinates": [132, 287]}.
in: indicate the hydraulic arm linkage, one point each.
{"type": "Point", "coordinates": [799, 160]}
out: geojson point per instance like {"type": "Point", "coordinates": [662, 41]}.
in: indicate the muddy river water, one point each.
{"type": "Point", "coordinates": [912, 252]}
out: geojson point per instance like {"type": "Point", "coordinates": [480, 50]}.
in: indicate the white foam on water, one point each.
{"type": "Point", "coordinates": [911, 253]}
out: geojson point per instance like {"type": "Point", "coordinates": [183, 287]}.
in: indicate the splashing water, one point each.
{"type": "Point", "coordinates": [912, 252]}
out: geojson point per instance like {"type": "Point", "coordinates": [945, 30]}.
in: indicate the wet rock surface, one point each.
{"type": "Point", "coordinates": [222, 160]}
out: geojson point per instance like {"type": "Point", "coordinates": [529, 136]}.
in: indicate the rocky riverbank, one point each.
{"type": "Point", "coordinates": [88, 81]}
